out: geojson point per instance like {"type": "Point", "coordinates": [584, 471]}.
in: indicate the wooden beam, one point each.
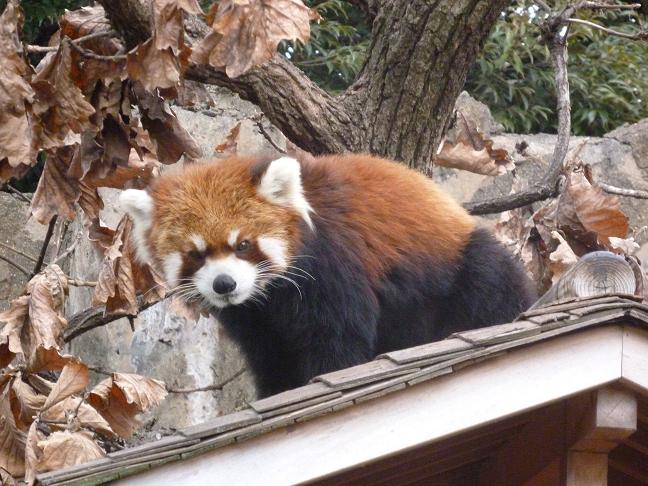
{"type": "Point", "coordinates": [634, 367]}
{"type": "Point", "coordinates": [484, 393]}
{"type": "Point", "coordinates": [587, 468]}
{"type": "Point", "coordinates": [611, 418]}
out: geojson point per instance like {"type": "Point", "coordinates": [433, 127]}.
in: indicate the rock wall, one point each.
{"type": "Point", "coordinates": [188, 354]}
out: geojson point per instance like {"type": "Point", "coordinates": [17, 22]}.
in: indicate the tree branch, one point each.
{"type": "Point", "coordinates": [217, 386]}
{"type": "Point", "coordinates": [94, 317]}
{"type": "Point", "coordinates": [75, 42]}
{"type": "Point", "coordinates": [15, 265]}
{"type": "Point", "coordinates": [548, 186]}
{"type": "Point", "coordinates": [18, 252]}
{"type": "Point", "coordinates": [48, 237]}
{"type": "Point", "coordinates": [642, 35]}
{"type": "Point", "coordinates": [621, 191]}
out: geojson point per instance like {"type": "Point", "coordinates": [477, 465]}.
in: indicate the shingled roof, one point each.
{"type": "Point", "coordinates": [387, 374]}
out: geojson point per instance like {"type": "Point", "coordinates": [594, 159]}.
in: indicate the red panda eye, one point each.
{"type": "Point", "coordinates": [243, 246]}
{"type": "Point", "coordinates": [196, 255]}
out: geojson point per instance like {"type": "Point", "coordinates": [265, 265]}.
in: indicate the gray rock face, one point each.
{"type": "Point", "coordinates": [19, 231]}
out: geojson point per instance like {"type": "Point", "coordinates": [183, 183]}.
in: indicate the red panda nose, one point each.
{"type": "Point", "coordinates": [224, 284]}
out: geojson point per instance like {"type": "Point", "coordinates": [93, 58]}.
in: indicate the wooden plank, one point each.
{"type": "Point", "coordinates": [425, 351]}
{"type": "Point", "coordinates": [361, 374]}
{"type": "Point", "coordinates": [583, 311]}
{"type": "Point", "coordinates": [553, 317]}
{"type": "Point", "coordinates": [578, 303]}
{"type": "Point", "coordinates": [222, 424]}
{"type": "Point", "coordinates": [610, 418]}
{"type": "Point", "coordinates": [300, 405]}
{"type": "Point", "coordinates": [290, 397]}
{"type": "Point", "coordinates": [586, 469]}
{"type": "Point", "coordinates": [499, 333]}
{"type": "Point", "coordinates": [486, 392]}
{"type": "Point", "coordinates": [635, 358]}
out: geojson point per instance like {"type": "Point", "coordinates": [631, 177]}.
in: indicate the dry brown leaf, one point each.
{"type": "Point", "coordinates": [32, 452]}
{"type": "Point", "coordinates": [170, 140]}
{"type": "Point", "coordinates": [73, 379]}
{"type": "Point", "coordinates": [64, 449]}
{"type": "Point", "coordinates": [472, 152]}
{"type": "Point", "coordinates": [115, 284]}
{"type": "Point", "coordinates": [60, 104]}
{"type": "Point", "coordinates": [248, 32]}
{"type": "Point", "coordinates": [122, 396]}
{"type": "Point", "coordinates": [44, 330]}
{"type": "Point", "coordinates": [12, 439]}
{"type": "Point", "coordinates": [15, 95]}
{"type": "Point", "coordinates": [626, 246]}
{"type": "Point", "coordinates": [86, 415]}
{"type": "Point", "coordinates": [12, 320]}
{"type": "Point", "coordinates": [230, 145]}
{"type": "Point", "coordinates": [40, 384]}
{"type": "Point", "coordinates": [48, 359]}
{"type": "Point", "coordinates": [561, 258]}
{"type": "Point", "coordinates": [26, 402]}
{"type": "Point", "coordinates": [6, 479]}
{"type": "Point", "coordinates": [57, 191]}
{"type": "Point", "coordinates": [589, 215]}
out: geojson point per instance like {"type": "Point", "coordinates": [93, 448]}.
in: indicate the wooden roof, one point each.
{"type": "Point", "coordinates": [387, 374]}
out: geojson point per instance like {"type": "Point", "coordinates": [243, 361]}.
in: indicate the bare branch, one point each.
{"type": "Point", "coordinates": [15, 191]}
{"type": "Point", "coordinates": [18, 252]}
{"type": "Point", "coordinates": [621, 191]}
{"type": "Point", "coordinates": [46, 49]}
{"type": "Point", "coordinates": [642, 35]}
{"type": "Point", "coordinates": [548, 186]}
{"type": "Point", "coordinates": [266, 135]}
{"type": "Point", "coordinates": [218, 386]}
{"type": "Point", "coordinates": [68, 251]}
{"type": "Point", "coordinates": [607, 6]}
{"type": "Point", "coordinates": [15, 265]}
{"type": "Point", "coordinates": [94, 317]}
{"type": "Point", "coordinates": [80, 283]}
{"type": "Point", "coordinates": [48, 237]}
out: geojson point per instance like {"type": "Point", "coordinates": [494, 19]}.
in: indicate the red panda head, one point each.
{"type": "Point", "coordinates": [221, 231]}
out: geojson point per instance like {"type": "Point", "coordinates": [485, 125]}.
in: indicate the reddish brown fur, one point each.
{"type": "Point", "coordinates": [397, 212]}
{"type": "Point", "coordinates": [391, 212]}
{"type": "Point", "coordinates": [212, 199]}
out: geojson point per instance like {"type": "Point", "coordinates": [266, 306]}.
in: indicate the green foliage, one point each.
{"type": "Point", "coordinates": [608, 75]}
{"type": "Point", "coordinates": [336, 51]}
{"type": "Point", "coordinates": [41, 15]}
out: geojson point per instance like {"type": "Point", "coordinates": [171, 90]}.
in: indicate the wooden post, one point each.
{"type": "Point", "coordinates": [611, 418]}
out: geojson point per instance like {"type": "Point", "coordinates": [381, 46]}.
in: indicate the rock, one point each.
{"type": "Point", "coordinates": [635, 135]}
{"type": "Point", "coordinates": [612, 161]}
{"type": "Point", "coordinates": [21, 232]}
{"type": "Point", "coordinates": [478, 113]}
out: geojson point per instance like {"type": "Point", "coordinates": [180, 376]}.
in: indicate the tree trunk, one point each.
{"type": "Point", "coordinates": [400, 105]}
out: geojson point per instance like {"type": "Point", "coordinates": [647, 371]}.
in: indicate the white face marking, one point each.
{"type": "Point", "coordinates": [199, 242]}
{"type": "Point", "coordinates": [139, 206]}
{"type": "Point", "coordinates": [243, 272]}
{"type": "Point", "coordinates": [281, 184]}
{"type": "Point", "coordinates": [233, 237]}
{"type": "Point", "coordinates": [275, 249]}
{"type": "Point", "coordinates": [172, 263]}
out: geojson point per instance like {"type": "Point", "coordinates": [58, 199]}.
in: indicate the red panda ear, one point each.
{"type": "Point", "coordinates": [138, 205]}
{"type": "Point", "coordinates": [281, 184]}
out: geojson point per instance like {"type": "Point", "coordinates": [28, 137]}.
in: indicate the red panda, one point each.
{"type": "Point", "coordinates": [321, 264]}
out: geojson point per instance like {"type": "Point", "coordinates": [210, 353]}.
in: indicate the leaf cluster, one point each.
{"type": "Point", "coordinates": [608, 75]}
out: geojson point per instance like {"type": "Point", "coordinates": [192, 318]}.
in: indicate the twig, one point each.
{"type": "Point", "coordinates": [218, 386]}
{"type": "Point", "coordinates": [94, 317]}
{"type": "Point", "coordinates": [18, 252]}
{"type": "Point", "coordinates": [15, 191]}
{"type": "Point", "coordinates": [101, 371]}
{"type": "Point", "coordinates": [621, 191]}
{"type": "Point", "coordinates": [80, 283]}
{"type": "Point", "coordinates": [48, 237]}
{"type": "Point", "coordinates": [266, 135]}
{"type": "Point", "coordinates": [607, 6]}
{"type": "Point", "coordinates": [16, 265]}
{"type": "Point", "coordinates": [45, 49]}
{"type": "Point", "coordinates": [643, 35]}
{"type": "Point", "coordinates": [99, 57]}
{"type": "Point", "coordinates": [548, 186]}
{"type": "Point", "coordinates": [69, 250]}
